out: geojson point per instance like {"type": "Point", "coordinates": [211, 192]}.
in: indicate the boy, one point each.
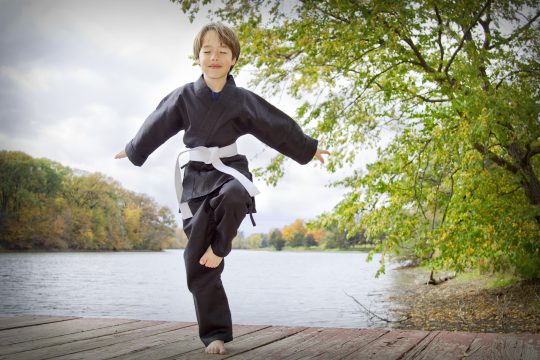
{"type": "Point", "coordinates": [216, 192]}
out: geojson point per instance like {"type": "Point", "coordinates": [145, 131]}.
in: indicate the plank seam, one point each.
{"type": "Point", "coordinates": [423, 347]}
{"type": "Point", "coordinates": [37, 324]}
{"type": "Point", "coordinates": [366, 344]}
{"type": "Point", "coordinates": [100, 336]}
{"type": "Point", "coordinates": [230, 356]}
{"type": "Point", "coordinates": [119, 342]}
{"type": "Point", "coordinates": [73, 333]}
{"type": "Point", "coordinates": [269, 342]}
{"type": "Point", "coordinates": [466, 352]}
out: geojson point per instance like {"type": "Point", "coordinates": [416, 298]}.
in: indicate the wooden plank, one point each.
{"type": "Point", "coordinates": [392, 345]}
{"type": "Point", "coordinates": [323, 343]}
{"type": "Point", "coordinates": [43, 331]}
{"type": "Point", "coordinates": [44, 337]}
{"type": "Point", "coordinates": [495, 346]}
{"type": "Point", "coordinates": [341, 347]}
{"type": "Point", "coordinates": [238, 348]}
{"type": "Point", "coordinates": [69, 345]}
{"type": "Point", "coordinates": [113, 346]}
{"type": "Point", "coordinates": [531, 346]}
{"type": "Point", "coordinates": [417, 350]}
{"type": "Point", "coordinates": [14, 322]}
{"type": "Point", "coordinates": [66, 339]}
{"type": "Point", "coordinates": [185, 345]}
{"type": "Point", "coordinates": [447, 345]}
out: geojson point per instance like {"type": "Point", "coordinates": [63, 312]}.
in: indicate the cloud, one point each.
{"type": "Point", "coordinates": [78, 78]}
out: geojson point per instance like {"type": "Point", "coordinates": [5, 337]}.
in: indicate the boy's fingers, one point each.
{"type": "Point", "coordinates": [122, 154]}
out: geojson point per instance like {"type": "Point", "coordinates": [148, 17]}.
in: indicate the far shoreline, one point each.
{"type": "Point", "coordinates": [363, 249]}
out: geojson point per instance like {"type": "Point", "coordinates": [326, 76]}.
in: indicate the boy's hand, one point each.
{"type": "Point", "coordinates": [122, 154]}
{"type": "Point", "coordinates": [209, 259]}
{"type": "Point", "coordinates": [319, 153]}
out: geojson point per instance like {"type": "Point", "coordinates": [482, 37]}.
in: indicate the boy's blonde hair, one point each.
{"type": "Point", "coordinates": [226, 35]}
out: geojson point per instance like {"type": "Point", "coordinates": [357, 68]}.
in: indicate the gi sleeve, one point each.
{"type": "Point", "coordinates": [278, 130]}
{"type": "Point", "coordinates": [164, 122]}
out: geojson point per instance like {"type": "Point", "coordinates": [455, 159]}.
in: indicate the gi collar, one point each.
{"type": "Point", "coordinates": [201, 87]}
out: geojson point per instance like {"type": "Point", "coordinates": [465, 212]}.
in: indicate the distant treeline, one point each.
{"type": "Point", "coordinates": [298, 235]}
{"type": "Point", "coordinates": [45, 205]}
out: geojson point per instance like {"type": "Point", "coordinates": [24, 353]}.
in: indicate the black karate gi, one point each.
{"type": "Point", "coordinates": [217, 200]}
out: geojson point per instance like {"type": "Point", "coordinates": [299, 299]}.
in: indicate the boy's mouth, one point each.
{"type": "Point", "coordinates": [215, 66]}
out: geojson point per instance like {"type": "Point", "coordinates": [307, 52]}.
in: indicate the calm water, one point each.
{"type": "Point", "coordinates": [276, 288]}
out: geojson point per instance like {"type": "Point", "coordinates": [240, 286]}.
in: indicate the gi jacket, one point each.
{"type": "Point", "coordinates": [218, 122]}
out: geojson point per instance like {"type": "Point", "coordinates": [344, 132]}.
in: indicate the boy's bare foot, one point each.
{"type": "Point", "coordinates": [216, 347]}
{"type": "Point", "coordinates": [209, 259]}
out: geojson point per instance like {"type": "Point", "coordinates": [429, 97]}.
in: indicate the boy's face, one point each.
{"type": "Point", "coordinates": [215, 58]}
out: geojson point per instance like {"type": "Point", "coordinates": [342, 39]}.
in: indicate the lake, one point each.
{"type": "Point", "coordinates": [263, 287]}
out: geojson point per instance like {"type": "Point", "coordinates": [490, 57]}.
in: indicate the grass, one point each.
{"type": "Point", "coordinates": [488, 281]}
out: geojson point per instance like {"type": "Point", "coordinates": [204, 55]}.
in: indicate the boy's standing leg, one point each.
{"type": "Point", "coordinates": [215, 221]}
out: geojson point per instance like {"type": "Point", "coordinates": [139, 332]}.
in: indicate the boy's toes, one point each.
{"type": "Point", "coordinates": [216, 347]}
{"type": "Point", "coordinates": [203, 260]}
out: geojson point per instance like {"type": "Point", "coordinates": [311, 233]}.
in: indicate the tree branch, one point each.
{"type": "Point", "coordinates": [487, 31]}
{"type": "Point", "coordinates": [496, 159]}
{"type": "Point", "coordinates": [439, 37]}
{"type": "Point", "coordinates": [426, 99]}
{"type": "Point", "coordinates": [512, 73]}
{"type": "Point", "coordinates": [369, 312]}
{"type": "Point", "coordinates": [417, 53]}
{"type": "Point", "coordinates": [419, 202]}
{"type": "Point", "coordinates": [327, 13]}
{"type": "Point", "coordinates": [450, 196]}
{"type": "Point", "coordinates": [487, 39]}
{"type": "Point", "coordinates": [518, 32]}
{"type": "Point", "coordinates": [466, 34]}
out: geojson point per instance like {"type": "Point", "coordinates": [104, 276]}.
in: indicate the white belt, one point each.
{"type": "Point", "coordinates": [210, 155]}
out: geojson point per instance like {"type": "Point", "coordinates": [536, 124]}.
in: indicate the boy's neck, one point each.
{"type": "Point", "coordinates": [216, 85]}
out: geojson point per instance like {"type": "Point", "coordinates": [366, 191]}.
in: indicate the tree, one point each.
{"type": "Point", "coordinates": [453, 85]}
{"type": "Point", "coordinates": [276, 239]}
{"type": "Point", "coordinates": [255, 241]}
{"type": "Point", "coordinates": [295, 233]}
{"type": "Point", "coordinates": [28, 188]}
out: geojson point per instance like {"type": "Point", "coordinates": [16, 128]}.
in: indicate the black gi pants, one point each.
{"type": "Point", "coordinates": [215, 221]}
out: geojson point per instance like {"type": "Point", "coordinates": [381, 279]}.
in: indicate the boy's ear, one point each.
{"type": "Point", "coordinates": [233, 61]}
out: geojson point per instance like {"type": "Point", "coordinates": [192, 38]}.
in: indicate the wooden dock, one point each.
{"type": "Point", "coordinates": [54, 337]}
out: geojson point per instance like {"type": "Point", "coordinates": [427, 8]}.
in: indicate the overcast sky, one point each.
{"type": "Point", "coordinates": [78, 78]}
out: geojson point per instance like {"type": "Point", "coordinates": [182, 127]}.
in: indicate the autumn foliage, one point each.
{"type": "Point", "coordinates": [45, 205]}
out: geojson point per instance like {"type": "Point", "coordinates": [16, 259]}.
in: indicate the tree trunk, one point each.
{"type": "Point", "coordinates": [529, 180]}
{"type": "Point", "coordinates": [440, 280]}
{"type": "Point", "coordinates": [521, 166]}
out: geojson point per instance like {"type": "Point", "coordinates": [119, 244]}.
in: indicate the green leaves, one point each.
{"type": "Point", "coordinates": [454, 84]}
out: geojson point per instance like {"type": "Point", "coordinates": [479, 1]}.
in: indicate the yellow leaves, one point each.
{"type": "Point", "coordinates": [296, 228]}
